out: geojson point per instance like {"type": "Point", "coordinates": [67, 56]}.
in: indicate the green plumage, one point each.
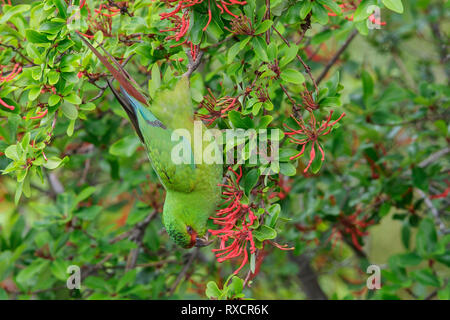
{"type": "Point", "coordinates": [192, 188]}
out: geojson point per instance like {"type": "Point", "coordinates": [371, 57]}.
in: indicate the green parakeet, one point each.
{"type": "Point", "coordinates": [192, 188]}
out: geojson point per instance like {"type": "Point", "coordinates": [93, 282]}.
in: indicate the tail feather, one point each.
{"type": "Point", "coordinates": [120, 75]}
{"type": "Point", "coordinates": [129, 110]}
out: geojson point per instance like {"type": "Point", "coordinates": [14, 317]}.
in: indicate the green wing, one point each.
{"type": "Point", "coordinates": [157, 138]}
{"type": "Point", "coordinates": [172, 110]}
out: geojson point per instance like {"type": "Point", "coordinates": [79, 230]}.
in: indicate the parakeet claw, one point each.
{"type": "Point", "coordinates": [203, 241]}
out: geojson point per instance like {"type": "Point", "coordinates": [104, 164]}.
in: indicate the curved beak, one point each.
{"type": "Point", "coordinates": [203, 241]}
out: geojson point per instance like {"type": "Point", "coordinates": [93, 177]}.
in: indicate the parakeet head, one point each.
{"type": "Point", "coordinates": [185, 221]}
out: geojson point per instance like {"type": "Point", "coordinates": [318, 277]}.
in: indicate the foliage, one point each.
{"type": "Point", "coordinates": [363, 121]}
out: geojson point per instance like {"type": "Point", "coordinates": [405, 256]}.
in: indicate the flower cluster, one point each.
{"type": "Point", "coordinates": [102, 20]}
{"type": "Point", "coordinates": [39, 114]}
{"type": "Point", "coordinates": [241, 25]}
{"type": "Point", "coordinates": [353, 226]}
{"type": "Point", "coordinates": [217, 108]}
{"type": "Point", "coordinates": [284, 185]}
{"type": "Point", "coordinates": [311, 135]}
{"type": "Point", "coordinates": [352, 5]}
{"type": "Point", "coordinates": [17, 69]}
{"type": "Point", "coordinates": [235, 219]}
{"type": "Point", "coordinates": [179, 16]}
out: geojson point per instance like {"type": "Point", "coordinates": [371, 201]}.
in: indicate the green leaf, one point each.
{"type": "Point", "coordinates": [73, 98]}
{"type": "Point", "coordinates": [85, 193]}
{"type": "Point", "coordinates": [288, 169]}
{"type": "Point", "coordinates": [420, 178]}
{"type": "Point", "coordinates": [54, 162]}
{"type": "Point", "coordinates": [53, 100]}
{"type": "Point", "coordinates": [263, 27]}
{"type": "Point", "coordinates": [363, 12]}
{"type": "Point", "coordinates": [394, 5]}
{"type": "Point", "coordinates": [272, 51]}
{"type": "Point", "coordinates": [265, 233]}
{"type": "Point", "coordinates": [260, 47]}
{"type": "Point", "coordinates": [125, 147]}
{"type": "Point", "coordinates": [69, 110]}
{"type": "Point", "coordinates": [25, 276]}
{"type": "Point", "coordinates": [426, 239]}
{"type": "Point", "coordinates": [232, 52]}
{"type": "Point", "coordinates": [265, 121]}
{"type": "Point", "coordinates": [320, 13]}
{"type": "Point", "coordinates": [289, 55]}
{"type": "Point", "coordinates": [126, 280]}
{"type": "Point", "coordinates": [236, 285]}
{"type": "Point", "coordinates": [426, 277]}
{"type": "Point", "coordinates": [368, 84]}
{"type": "Point", "coordinates": [155, 82]}
{"type": "Point", "coordinates": [89, 213]}
{"type": "Point", "coordinates": [13, 11]}
{"type": "Point", "coordinates": [293, 76]}
{"type": "Point", "coordinates": [212, 290]}
{"type": "Point", "coordinates": [36, 37]}
{"type": "Point", "coordinates": [409, 259]}
{"type": "Point", "coordinates": [332, 5]}
{"type": "Point", "coordinates": [332, 102]}
{"type": "Point", "coordinates": [34, 93]}
{"type": "Point", "coordinates": [305, 9]}
{"type": "Point", "coordinates": [240, 122]}
{"type": "Point", "coordinates": [59, 269]}
{"type": "Point", "coordinates": [286, 153]}
{"type": "Point", "coordinates": [317, 162]}
{"type": "Point", "coordinates": [70, 128]}
{"type": "Point", "coordinates": [62, 8]}
{"type": "Point", "coordinates": [51, 27]}
{"type": "Point", "coordinates": [250, 181]}
{"type": "Point", "coordinates": [11, 153]}
{"type": "Point", "coordinates": [87, 106]}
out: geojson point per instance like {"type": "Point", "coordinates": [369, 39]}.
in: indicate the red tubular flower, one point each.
{"type": "Point", "coordinates": [15, 71]}
{"type": "Point", "coordinates": [376, 21]}
{"type": "Point", "coordinates": [217, 108]}
{"type": "Point", "coordinates": [181, 7]}
{"type": "Point", "coordinates": [311, 133]}
{"type": "Point", "coordinates": [209, 15]}
{"type": "Point", "coordinates": [114, 11]}
{"type": "Point", "coordinates": [194, 51]}
{"type": "Point", "coordinates": [3, 103]}
{"type": "Point", "coordinates": [241, 238]}
{"type": "Point", "coordinates": [40, 115]}
{"type": "Point", "coordinates": [235, 219]}
{"type": "Point", "coordinates": [352, 6]}
{"type": "Point", "coordinates": [442, 195]}
{"type": "Point", "coordinates": [353, 226]}
{"type": "Point", "coordinates": [284, 185]}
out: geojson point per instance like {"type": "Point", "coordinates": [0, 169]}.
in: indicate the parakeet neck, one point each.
{"type": "Point", "coordinates": [193, 208]}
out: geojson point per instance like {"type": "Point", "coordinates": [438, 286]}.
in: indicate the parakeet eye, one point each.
{"type": "Point", "coordinates": [189, 229]}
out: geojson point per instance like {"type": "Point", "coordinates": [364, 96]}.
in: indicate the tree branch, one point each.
{"type": "Point", "coordinates": [336, 56]}
{"type": "Point", "coordinates": [308, 278]}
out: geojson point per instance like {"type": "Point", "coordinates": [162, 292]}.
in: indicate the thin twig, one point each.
{"type": "Point", "coordinates": [434, 156]}
{"type": "Point", "coordinates": [183, 272]}
{"type": "Point", "coordinates": [299, 58]}
{"type": "Point", "coordinates": [433, 210]}
{"type": "Point", "coordinates": [336, 56]}
{"type": "Point", "coordinates": [18, 52]}
{"type": "Point", "coordinates": [267, 17]}
{"type": "Point", "coordinates": [137, 236]}
{"type": "Point", "coordinates": [193, 64]}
